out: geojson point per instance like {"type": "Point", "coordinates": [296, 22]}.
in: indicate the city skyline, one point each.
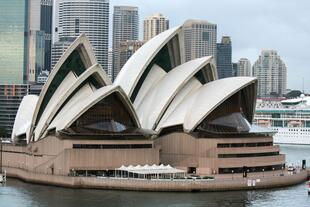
{"type": "Point", "coordinates": [246, 23]}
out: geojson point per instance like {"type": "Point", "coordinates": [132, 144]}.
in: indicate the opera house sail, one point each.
{"type": "Point", "coordinates": [159, 110]}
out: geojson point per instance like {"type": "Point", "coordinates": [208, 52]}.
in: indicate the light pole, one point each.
{"type": "Point", "coordinates": [232, 174]}
{"type": "Point", "coordinates": [282, 171]}
{"type": "Point", "coordinates": [263, 173]}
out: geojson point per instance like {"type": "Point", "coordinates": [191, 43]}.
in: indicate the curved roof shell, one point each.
{"type": "Point", "coordinates": [23, 117]}
{"type": "Point", "coordinates": [58, 100]}
{"type": "Point", "coordinates": [79, 109]}
{"type": "Point", "coordinates": [194, 109]}
{"type": "Point", "coordinates": [76, 59]}
{"type": "Point", "coordinates": [136, 67]}
{"type": "Point", "coordinates": [157, 100]}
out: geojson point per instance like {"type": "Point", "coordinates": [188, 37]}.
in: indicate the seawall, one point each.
{"type": "Point", "coordinates": [158, 185]}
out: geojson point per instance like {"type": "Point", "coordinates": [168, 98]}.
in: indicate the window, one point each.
{"type": "Point", "coordinates": [107, 116]}
{"type": "Point", "coordinates": [205, 36]}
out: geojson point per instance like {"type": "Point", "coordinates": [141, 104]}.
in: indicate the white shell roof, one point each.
{"type": "Point", "coordinates": [24, 115]}
{"type": "Point", "coordinates": [89, 58]}
{"type": "Point", "coordinates": [85, 91]}
{"type": "Point", "coordinates": [59, 98]}
{"type": "Point", "coordinates": [131, 72]}
{"type": "Point", "coordinates": [194, 109]}
{"type": "Point", "coordinates": [80, 108]}
{"type": "Point", "coordinates": [59, 93]}
{"type": "Point", "coordinates": [186, 91]}
{"type": "Point", "coordinates": [158, 99]}
{"type": "Point", "coordinates": [154, 76]}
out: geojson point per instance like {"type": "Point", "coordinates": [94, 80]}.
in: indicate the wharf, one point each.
{"type": "Point", "coordinates": [226, 183]}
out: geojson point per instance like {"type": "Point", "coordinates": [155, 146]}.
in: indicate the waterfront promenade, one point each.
{"type": "Point", "coordinates": [220, 183]}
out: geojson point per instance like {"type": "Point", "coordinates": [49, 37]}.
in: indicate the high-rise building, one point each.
{"type": "Point", "coordinates": [110, 63]}
{"type": "Point", "coordinates": [73, 17]}
{"type": "Point", "coordinates": [127, 48]}
{"type": "Point", "coordinates": [40, 33]}
{"type": "Point", "coordinates": [153, 25]}
{"type": "Point", "coordinates": [223, 58]}
{"type": "Point", "coordinates": [13, 41]}
{"type": "Point", "coordinates": [59, 48]}
{"type": "Point", "coordinates": [199, 39]}
{"type": "Point", "coordinates": [271, 73]}
{"type": "Point", "coordinates": [244, 67]}
{"type": "Point", "coordinates": [235, 69]}
{"type": "Point", "coordinates": [11, 96]}
{"type": "Point", "coordinates": [125, 27]}
{"type": "Point", "coordinates": [46, 26]}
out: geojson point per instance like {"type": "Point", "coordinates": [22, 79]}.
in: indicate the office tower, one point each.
{"type": "Point", "coordinates": [110, 63]}
{"type": "Point", "coordinates": [199, 39]}
{"type": "Point", "coordinates": [153, 25]}
{"type": "Point", "coordinates": [127, 48]}
{"type": "Point", "coordinates": [59, 48]}
{"type": "Point", "coordinates": [39, 44]}
{"type": "Point", "coordinates": [223, 58]}
{"type": "Point", "coordinates": [244, 67]}
{"type": "Point", "coordinates": [271, 73]}
{"type": "Point", "coordinates": [11, 96]}
{"type": "Point", "coordinates": [125, 27]}
{"type": "Point", "coordinates": [235, 69]}
{"type": "Point", "coordinates": [42, 77]}
{"type": "Point", "coordinates": [73, 17]}
{"type": "Point", "coordinates": [46, 25]}
{"type": "Point", "coordinates": [13, 41]}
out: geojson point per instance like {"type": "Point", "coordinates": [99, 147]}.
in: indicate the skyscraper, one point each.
{"type": "Point", "coordinates": [125, 27]}
{"type": "Point", "coordinates": [153, 25]}
{"type": "Point", "coordinates": [59, 48]}
{"type": "Point", "coordinates": [224, 53]}
{"type": "Point", "coordinates": [199, 39]}
{"type": "Point", "coordinates": [127, 48]}
{"type": "Point", "coordinates": [110, 63]}
{"type": "Point", "coordinates": [91, 17]}
{"type": "Point", "coordinates": [13, 41]}
{"type": "Point", "coordinates": [244, 67]}
{"type": "Point", "coordinates": [40, 37]}
{"type": "Point", "coordinates": [271, 73]}
{"type": "Point", "coordinates": [46, 25]}
{"type": "Point", "coordinates": [235, 69]}
{"type": "Point", "coordinates": [10, 99]}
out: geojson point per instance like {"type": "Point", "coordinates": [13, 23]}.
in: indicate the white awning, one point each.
{"type": "Point", "coordinates": [147, 169]}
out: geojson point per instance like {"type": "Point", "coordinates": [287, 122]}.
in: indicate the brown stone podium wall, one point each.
{"type": "Point", "coordinates": [184, 150]}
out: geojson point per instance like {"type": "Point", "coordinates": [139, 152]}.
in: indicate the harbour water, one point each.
{"type": "Point", "coordinates": [18, 193]}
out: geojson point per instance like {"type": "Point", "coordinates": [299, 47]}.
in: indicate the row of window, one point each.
{"type": "Point", "coordinates": [112, 146]}
{"type": "Point", "coordinates": [251, 169]}
{"type": "Point", "coordinates": [248, 155]}
{"type": "Point", "coordinates": [254, 144]}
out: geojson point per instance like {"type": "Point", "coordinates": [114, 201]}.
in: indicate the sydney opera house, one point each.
{"type": "Point", "coordinates": [159, 110]}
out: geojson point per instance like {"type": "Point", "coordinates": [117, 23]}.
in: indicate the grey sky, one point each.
{"type": "Point", "coordinates": [283, 25]}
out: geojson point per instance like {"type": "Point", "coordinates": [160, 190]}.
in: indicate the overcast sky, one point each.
{"type": "Point", "coordinates": [283, 25]}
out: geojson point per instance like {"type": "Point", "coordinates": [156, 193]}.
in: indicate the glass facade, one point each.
{"type": "Point", "coordinates": [46, 18]}
{"type": "Point", "coordinates": [13, 41]}
{"type": "Point", "coordinates": [10, 99]}
{"type": "Point", "coordinates": [229, 117]}
{"type": "Point", "coordinates": [108, 115]}
{"type": "Point", "coordinates": [224, 56]}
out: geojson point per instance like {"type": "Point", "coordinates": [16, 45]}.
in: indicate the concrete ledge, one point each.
{"type": "Point", "coordinates": [156, 185]}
